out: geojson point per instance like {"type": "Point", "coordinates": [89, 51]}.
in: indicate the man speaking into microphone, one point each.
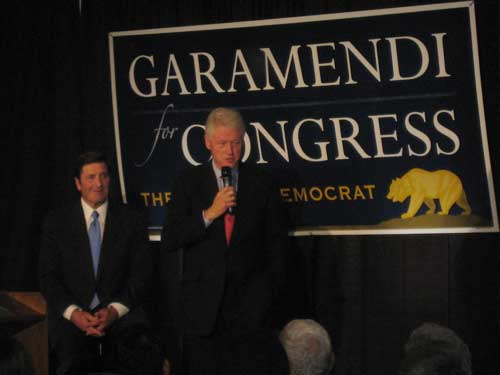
{"type": "Point", "coordinates": [226, 218]}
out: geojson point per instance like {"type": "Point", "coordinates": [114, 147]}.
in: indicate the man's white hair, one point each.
{"type": "Point", "coordinates": [308, 347]}
{"type": "Point", "coordinates": [224, 117]}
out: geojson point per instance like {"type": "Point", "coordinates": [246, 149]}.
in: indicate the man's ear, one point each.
{"type": "Point", "coordinates": [77, 184]}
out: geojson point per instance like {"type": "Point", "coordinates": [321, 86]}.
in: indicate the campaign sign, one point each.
{"type": "Point", "coordinates": [372, 122]}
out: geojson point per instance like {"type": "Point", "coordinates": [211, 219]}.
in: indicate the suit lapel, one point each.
{"type": "Point", "coordinates": [243, 198]}
{"type": "Point", "coordinates": [82, 246]}
{"type": "Point", "coordinates": [111, 230]}
{"type": "Point", "coordinates": [210, 181]}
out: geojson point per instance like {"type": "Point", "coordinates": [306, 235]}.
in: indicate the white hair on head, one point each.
{"type": "Point", "coordinates": [224, 117]}
{"type": "Point", "coordinates": [308, 347]}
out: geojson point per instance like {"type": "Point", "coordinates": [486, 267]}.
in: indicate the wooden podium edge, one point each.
{"type": "Point", "coordinates": [35, 337]}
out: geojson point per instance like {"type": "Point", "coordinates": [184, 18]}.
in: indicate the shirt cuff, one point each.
{"type": "Point", "coordinates": [120, 309]}
{"type": "Point", "coordinates": [69, 310]}
{"type": "Point", "coordinates": [205, 220]}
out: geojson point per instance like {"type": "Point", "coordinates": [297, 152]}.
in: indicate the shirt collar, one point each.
{"type": "Point", "coordinates": [101, 210]}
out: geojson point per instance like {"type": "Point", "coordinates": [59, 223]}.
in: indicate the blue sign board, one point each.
{"type": "Point", "coordinates": [371, 121]}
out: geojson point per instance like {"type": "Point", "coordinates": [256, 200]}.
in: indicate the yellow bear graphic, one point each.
{"type": "Point", "coordinates": [424, 186]}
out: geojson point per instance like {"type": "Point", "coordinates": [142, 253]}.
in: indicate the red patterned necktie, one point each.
{"type": "Point", "coordinates": [228, 226]}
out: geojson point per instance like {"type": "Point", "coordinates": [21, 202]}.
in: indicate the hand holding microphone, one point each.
{"type": "Point", "coordinates": [225, 199]}
{"type": "Point", "coordinates": [227, 180]}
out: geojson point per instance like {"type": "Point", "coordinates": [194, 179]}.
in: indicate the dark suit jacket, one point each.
{"type": "Point", "coordinates": [65, 266]}
{"type": "Point", "coordinates": [248, 273]}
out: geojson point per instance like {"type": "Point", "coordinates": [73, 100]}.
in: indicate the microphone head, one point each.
{"type": "Point", "coordinates": [227, 180]}
{"type": "Point", "coordinates": [225, 172]}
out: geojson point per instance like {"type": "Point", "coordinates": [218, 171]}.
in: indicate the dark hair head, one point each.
{"type": "Point", "coordinates": [433, 349]}
{"type": "Point", "coordinates": [14, 359]}
{"type": "Point", "coordinates": [88, 157]}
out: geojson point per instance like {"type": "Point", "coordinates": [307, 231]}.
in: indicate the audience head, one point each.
{"type": "Point", "coordinates": [14, 359]}
{"type": "Point", "coordinates": [433, 349]}
{"type": "Point", "coordinates": [308, 347]}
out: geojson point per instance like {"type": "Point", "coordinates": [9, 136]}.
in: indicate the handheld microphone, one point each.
{"type": "Point", "coordinates": [227, 180]}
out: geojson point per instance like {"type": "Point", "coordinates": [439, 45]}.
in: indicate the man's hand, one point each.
{"type": "Point", "coordinates": [224, 199]}
{"type": "Point", "coordinates": [84, 320]}
{"type": "Point", "coordinates": [166, 367]}
{"type": "Point", "coordinates": [105, 317]}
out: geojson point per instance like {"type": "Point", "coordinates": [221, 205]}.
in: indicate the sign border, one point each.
{"type": "Point", "coordinates": [324, 17]}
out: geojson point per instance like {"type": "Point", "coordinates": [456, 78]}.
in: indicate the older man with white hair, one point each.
{"type": "Point", "coordinates": [308, 347]}
{"type": "Point", "coordinates": [227, 222]}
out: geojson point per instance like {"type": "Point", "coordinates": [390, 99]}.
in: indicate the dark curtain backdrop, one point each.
{"type": "Point", "coordinates": [369, 291]}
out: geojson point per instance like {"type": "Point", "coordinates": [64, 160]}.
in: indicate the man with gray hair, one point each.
{"type": "Point", "coordinates": [308, 347]}
{"type": "Point", "coordinates": [433, 349]}
{"type": "Point", "coordinates": [227, 223]}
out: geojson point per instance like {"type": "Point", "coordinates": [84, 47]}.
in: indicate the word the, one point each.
{"type": "Point", "coordinates": [156, 199]}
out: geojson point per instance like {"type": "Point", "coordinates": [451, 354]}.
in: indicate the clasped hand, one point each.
{"type": "Point", "coordinates": [224, 199]}
{"type": "Point", "coordinates": [94, 324]}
